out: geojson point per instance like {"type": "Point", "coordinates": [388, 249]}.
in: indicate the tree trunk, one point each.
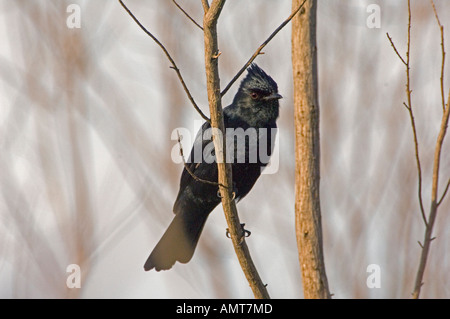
{"type": "Point", "coordinates": [307, 175]}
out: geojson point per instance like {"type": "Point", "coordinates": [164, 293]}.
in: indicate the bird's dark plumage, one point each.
{"type": "Point", "coordinates": [250, 118]}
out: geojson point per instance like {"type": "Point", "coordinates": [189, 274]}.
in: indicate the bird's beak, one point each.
{"type": "Point", "coordinates": [273, 96]}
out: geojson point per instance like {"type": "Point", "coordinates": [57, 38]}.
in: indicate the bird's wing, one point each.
{"type": "Point", "coordinates": [197, 155]}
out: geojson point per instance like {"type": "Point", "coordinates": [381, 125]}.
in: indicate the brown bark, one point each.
{"type": "Point", "coordinates": [307, 141]}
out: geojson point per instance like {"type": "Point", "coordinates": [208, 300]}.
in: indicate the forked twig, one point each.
{"type": "Point", "coordinates": [169, 57]}
{"type": "Point", "coordinates": [435, 202]}
{"type": "Point", "coordinates": [409, 107]}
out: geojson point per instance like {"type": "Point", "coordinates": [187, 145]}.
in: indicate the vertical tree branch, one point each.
{"type": "Point", "coordinates": [434, 202]}
{"type": "Point", "coordinates": [411, 115]}
{"type": "Point", "coordinates": [307, 175]}
{"type": "Point", "coordinates": [409, 107]}
{"type": "Point", "coordinates": [441, 28]}
{"type": "Point", "coordinates": [429, 222]}
{"type": "Point", "coordinates": [211, 16]}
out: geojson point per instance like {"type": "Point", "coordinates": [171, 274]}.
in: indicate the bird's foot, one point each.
{"type": "Point", "coordinates": [247, 233]}
{"type": "Point", "coordinates": [233, 195]}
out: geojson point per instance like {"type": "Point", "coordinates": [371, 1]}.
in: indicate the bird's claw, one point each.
{"type": "Point", "coordinates": [233, 195]}
{"type": "Point", "coordinates": [247, 233]}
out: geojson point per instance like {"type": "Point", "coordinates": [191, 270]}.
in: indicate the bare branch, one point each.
{"type": "Point", "coordinates": [441, 28]}
{"type": "Point", "coordinates": [445, 192]}
{"type": "Point", "coordinates": [169, 57]}
{"type": "Point", "coordinates": [435, 13]}
{"type": "Point", "coordinates": [187, 15]}
{"type": "Point", "coordinates": [434, 203]}
{"type": "Point", "coordinates": [411, 113]}
{"type": "Point", "coordinates": [224, 169]}
{"type": "Point", "coordinates": [258, 51]}
{"type": "Point", "coordinates": [395, 49]}
{"type": "Point", "coordinates": [418, 164]}
{"type": "Point", "coordinates": [434, 187]}
{"type": "Point", "coordinates": [205, 5]}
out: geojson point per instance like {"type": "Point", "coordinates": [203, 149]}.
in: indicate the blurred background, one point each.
{"type": "Point", "coordinates": [87, 174]}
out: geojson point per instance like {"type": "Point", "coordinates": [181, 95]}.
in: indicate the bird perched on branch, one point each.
{"type": "Point", "coordinates": [250, 124]}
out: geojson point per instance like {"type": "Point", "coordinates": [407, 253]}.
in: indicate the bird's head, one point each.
{"type": "Point", "coordinates": [256, 101]}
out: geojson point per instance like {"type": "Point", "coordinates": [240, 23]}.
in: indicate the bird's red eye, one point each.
{"type": "Point", "coordinates": [254, 95]}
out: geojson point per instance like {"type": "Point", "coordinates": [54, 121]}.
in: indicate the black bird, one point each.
{"type": "Point", "coordinates": [250, 118]}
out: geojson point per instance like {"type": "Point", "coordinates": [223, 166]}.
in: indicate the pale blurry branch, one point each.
{"type": "Point", "coordinates": [187, 15]}
{"type": "Point", "coordinates": [258, 51]}
{"type": "Point", "coordinates": [429, 222]}
{"type": "Point", "coordinates": [169, 57]}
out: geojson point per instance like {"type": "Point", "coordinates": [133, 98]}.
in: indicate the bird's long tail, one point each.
{"type": "Point", "coordinates": [178, 242]}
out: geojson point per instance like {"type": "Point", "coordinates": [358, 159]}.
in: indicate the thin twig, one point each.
{"type": "Point", "coordinates": [195, 177]}
{"type": "Point", "coordinates": [434, 185]}
{"type": "Point", "coordinates": [445, 192]}
{"type": "Point", "coordinates": [411, 115]}
{"type": "Point", "coordinates": [441, 28]}
{"type": "Point", "coordinates": [174, 66]}
{"type": "Point", "coordinates": [258, 51]}
{"type": "Point", "coordinates": [187, 15]}
{"type": "Point", "coordinates": [395, 49]}
{"type": "Point", "coordinates": [411, 112]}
{"type": "Point", "coordinates": [418, 164]}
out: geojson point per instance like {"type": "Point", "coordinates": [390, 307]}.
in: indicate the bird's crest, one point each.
{"type": "Point", "coordinates": [258, 79]}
